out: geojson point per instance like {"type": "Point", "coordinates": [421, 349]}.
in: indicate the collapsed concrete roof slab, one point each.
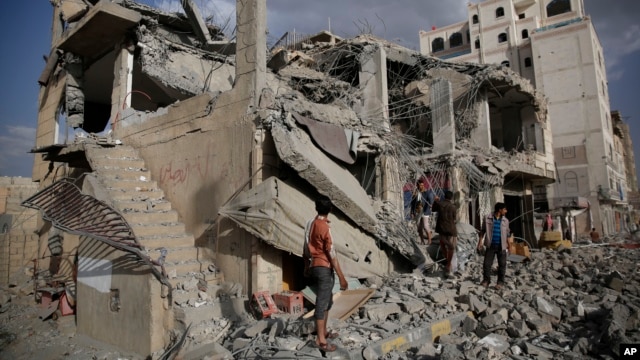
{"type": "Point", "coordinates": [277, 213]}
{"type": "Point", "coordinates": [297, 150]}
{"type": "Point", "coordinates": [181, 70]}
{"type": "Point", "coordinates": [99, 30]}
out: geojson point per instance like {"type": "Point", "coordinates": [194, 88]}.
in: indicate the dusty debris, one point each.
{"type": "Point", "coordinates": [558, 305]}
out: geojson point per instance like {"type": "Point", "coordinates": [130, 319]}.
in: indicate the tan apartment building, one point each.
{"type": "Point", "coordinates": [196, 160]}
{"type": "Point", "coordinates": [554, 45]}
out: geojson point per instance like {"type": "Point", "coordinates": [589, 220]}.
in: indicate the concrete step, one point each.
{"type": "Point", "coordinates": [152, 194]}
{"type": "Point", "coordinates": [124, 174]}
{"type": "Point", "coordinates": [158, 229]}
{"type": "Point", "coordinates": [156, 242]}
{"type": "Point", "coordinates": [126, 205]}
{"type": "Point", "coordinates": [175, 254]}
{"type": "Point", "coordinates": [138, 217]}
{"type": "Point", "coordinates": [116, 152]}
{"type": "Point", "coordinates": [214, 309]}
{"type": "Point", "coordinates": [124, 163]}
{"type": "Point", "coordinates": [182, 296]}
{"type": "Point", "coordinates": [135, 184]}
{"type": "Point", "coordinates": [184, 267]}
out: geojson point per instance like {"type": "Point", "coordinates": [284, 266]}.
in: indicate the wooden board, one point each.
{"type": "Point", "coordinates": [346, 303]}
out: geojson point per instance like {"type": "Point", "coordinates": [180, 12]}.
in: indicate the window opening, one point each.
{"type": "Point", "coordinates": [475, 19]}
{"type": "Point", "coordinates": [525, 34]}
{"type": "Point", "coordinates": [527, 62]}
{"type": "Point", "coordinates": [557, 7]}
{"type": "Point", "coordinates": [499, 12]}
{"type": "Point", "coordinates": [502, 37]}
{"type": "Point", "coordinates": [455, 39]}
{"type": "Point", "coordinates": [477, 43]}
{"type": "Point", "coordinates": [437, 44]}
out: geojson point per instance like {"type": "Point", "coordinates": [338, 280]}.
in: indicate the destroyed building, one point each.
{"type": "Point", "coordinates": [195, 157]}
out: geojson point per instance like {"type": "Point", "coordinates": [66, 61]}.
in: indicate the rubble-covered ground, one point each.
{"type": "Point", "coordinates": [578, 303]}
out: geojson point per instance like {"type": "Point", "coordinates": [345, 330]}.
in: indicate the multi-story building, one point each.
{"type": "Point", "coordinates": [196, 160]}
{"type": "Point", "coordinates": [554, 45]}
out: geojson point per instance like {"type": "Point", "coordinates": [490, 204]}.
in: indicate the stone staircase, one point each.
{"type": "Point", "coordinates": [123, 176]}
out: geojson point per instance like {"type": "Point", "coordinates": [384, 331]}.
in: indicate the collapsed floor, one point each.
{"type": "Point", "coordinates": [573, 304]}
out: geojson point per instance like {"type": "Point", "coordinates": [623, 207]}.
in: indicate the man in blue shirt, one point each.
{"type": "Point", "coordinates": [495, 233]}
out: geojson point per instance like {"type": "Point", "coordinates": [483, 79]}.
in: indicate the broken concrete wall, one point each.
{"type": "Point", "coordinates": [181, 70]}
{"type": "Point", "coordinates": [197, 157]}
{"type": "Point", "coordinates": [121, 301]}
{"type": "Point", "coordinates": [47, 129]}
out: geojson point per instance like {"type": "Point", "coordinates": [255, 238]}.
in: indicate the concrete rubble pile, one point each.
{"type": "Point", "coordinates": [572, 304]}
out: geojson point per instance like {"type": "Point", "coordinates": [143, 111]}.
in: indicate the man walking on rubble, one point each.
{"type": "Point", "coordinates": [446, 228]}
{"type": "Point", "coordinates": [495, 234]}
{"type": "Point", "coordinates": [320, 262]}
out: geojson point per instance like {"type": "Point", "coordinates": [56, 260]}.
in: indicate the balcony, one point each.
{"type": "Point", "coordinates": [606, 194]}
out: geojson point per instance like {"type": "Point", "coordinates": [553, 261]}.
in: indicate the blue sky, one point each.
{"type": "Point", "coordinates": [26, 27]}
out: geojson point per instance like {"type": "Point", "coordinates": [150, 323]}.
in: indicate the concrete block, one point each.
{"type": "Point", "coordinates": [537, 352]}
{"type": "Point", "coordinates": [412, 306]}
{"type": "Point", "coordinates": [469, 325]}
{"type": "Point", "coordinates": [517, 328]}
{"type": "Point", "coordinates": [477, 306]}
{"type": "Point", "coordinates": [380, 312]}
{"type": "Point", "coordinates": [548, 308]}
{"type": "Point", "coordinates": [542, 326]}
{"type": "Point", "coordinates": [498, 343]}
{"type": "Point", "coordinates": [493, 320]}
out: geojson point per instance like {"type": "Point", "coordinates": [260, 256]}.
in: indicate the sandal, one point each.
{"type": "Point", "coordinates": [326, 347]}
{"type": "Point", "coordinates": [332, 335]}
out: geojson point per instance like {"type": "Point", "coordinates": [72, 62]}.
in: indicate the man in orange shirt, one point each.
{"type": "Point", "coordinates": [320, 265]}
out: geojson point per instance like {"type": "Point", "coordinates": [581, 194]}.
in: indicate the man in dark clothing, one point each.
{"type": "Point", "coordinates": [446, 227]}
{"type": "Point", "coordinates": [320, 262]}
{"type": "Point", "coordinates": [495, 232]}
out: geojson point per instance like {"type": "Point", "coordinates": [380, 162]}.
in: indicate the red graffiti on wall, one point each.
{"type": "Point", "coordinates": [181, 173]}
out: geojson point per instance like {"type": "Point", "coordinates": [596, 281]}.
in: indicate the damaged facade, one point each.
{"type": "Point", "coordinates": [554, 45]}
{"type": "Point", "coordinates": [214, 152]}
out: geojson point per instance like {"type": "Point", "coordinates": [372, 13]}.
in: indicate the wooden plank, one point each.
{"type": "Point", "coordinates": [346, 303]}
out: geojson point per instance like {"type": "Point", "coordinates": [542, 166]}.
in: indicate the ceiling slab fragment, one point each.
{"type": "Point", "coordinates": [277, 213]}
{"type": "Point", "coordinates": [99, 30]}
{"type": "Point", "coordinates": [297, 150]}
